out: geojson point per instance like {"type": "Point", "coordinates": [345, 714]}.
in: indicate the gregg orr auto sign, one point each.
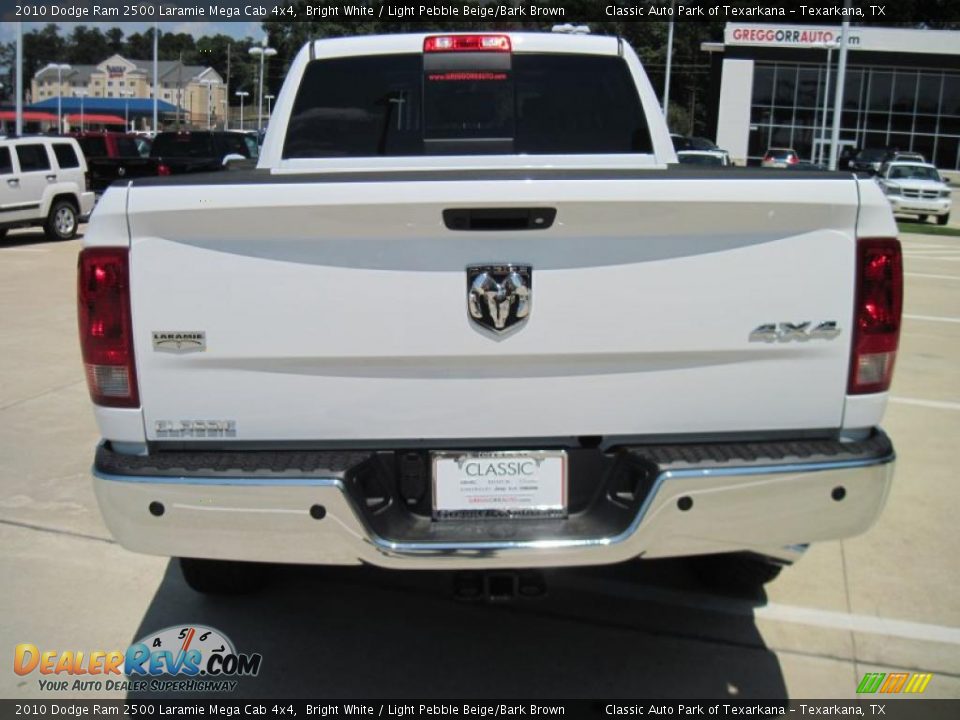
{"type": "Point", "coordinates": [786, 36]}
{"type": "Point", "coordinates": [874, 39]}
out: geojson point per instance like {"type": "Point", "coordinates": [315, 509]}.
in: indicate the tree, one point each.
{"type": "Point", "coordinates": [172, 45]}
{"type": "Point", "coordinates": [212, 51]}
{"type": "Point", "coordinates": [114, 37]}
{"type": "Point", "coordinates": [139, 46]}
{"type": "Point", "coordinates": [41, 47]}
{"type": "Point", "coordinates": [86, 46]}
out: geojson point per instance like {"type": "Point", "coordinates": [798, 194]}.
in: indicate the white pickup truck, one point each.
{"type": "Point", "coordinates": [469, 313]}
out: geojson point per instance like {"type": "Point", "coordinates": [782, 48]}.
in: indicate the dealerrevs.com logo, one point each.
{"type": "Point", "coordinates": [181, 658]}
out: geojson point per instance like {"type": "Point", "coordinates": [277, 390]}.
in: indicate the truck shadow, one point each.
{"type": "Point", "coordinates": [633, 630]}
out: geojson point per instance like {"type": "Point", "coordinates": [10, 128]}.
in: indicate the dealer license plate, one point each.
{"type": "Point", "coordinates": [515, 484]}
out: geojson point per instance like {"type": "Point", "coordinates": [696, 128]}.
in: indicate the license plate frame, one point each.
{"type": "Point", "coordinates": [465, 486]}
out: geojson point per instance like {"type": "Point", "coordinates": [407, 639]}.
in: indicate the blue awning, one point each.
{"type": "Point", "coordinates": [136, 106]}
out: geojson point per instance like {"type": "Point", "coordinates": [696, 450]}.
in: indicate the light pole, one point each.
{"type": "Point", "coordinates": [80, 94]}
{"type": "Point", "coordinates": [826, 102]}
{"type": "Point", "coordinates": [156, 71]}
{"type": "Point", "coordinates": [127, 94]}
{"type": "Point", "coordinates": [666, 80]}
{"type": "Point", "coordinates": [263, 52]}
{"type": "Point", "coordinates": [841, 80]}
{"type": "Point", "coordinates": [19, 84]}
{"type": "Point", "coordinates": [241, 94]}
{"type": "Point", "coordinates": [209, 84]}
{"type": "Point", "coordinates": [269, 98]}
{"type": "Point", "coordinates": [59, 68]}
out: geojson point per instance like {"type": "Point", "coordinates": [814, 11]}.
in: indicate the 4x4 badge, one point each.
{"type": "Point", "coordinates": [499, 297]}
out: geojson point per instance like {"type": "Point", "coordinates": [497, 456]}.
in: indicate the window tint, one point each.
{"type": "Point", "coordinates": [537, 104]}
{"type": "Point", "coordinates": [93, 146]}
{"type": "Point", "coordinates": [66, 155]}
{"type": "Point", "coordinates": [126, 147]}
{"type": "Point", "coordinates": [192, 145]}
{"type": "Point", "coordinates": [6, 166]}
{"type": "Point", "coordinates": [235, 144]}
{"type": "Point", "coordinates": [32, 158]}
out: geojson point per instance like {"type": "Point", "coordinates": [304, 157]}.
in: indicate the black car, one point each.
{"type": "Point", "coordinates": [869, 160]}
{"type": "Point", "coordinates": [197, 150]}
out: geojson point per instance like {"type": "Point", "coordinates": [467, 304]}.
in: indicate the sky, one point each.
{"type": "Point", "coordinates": [8, 30]}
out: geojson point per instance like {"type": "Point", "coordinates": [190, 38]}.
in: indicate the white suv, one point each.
{"type": "Point", "coordinates": [43, 182]}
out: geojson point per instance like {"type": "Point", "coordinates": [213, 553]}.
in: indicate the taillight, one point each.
{"type": "Point", "coordinates": [876, 328]}
{"type": "Point", "coordinates": [466, 43]}
{"type": "Point", "coordinates": [793, 159]}
{"type": "Point", "coordinates": [106, 330]}
{"type": "Point", "coordinates": [163, 169]}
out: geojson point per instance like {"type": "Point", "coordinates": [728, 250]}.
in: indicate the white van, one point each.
{"type": "Point", "coordinates": [43, 182]}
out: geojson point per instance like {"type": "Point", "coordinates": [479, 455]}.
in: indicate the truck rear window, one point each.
{"type": "Point", "coordinates": [391, 105]}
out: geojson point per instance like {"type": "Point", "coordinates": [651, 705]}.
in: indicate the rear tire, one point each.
{"type": "Point", "coordinates": [922, 218]}
{"type": "Point", "coordinates": [223, 577]}
{"type": "Point", "coordinates": [943, 219]}
{"type": "Point", "coordinates": [62, 222]}
{"type": "Point", "coordinates": [741, 573]}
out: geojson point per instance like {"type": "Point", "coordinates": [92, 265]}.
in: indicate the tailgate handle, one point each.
{"type": "Point", "coordinates": [499, 218]}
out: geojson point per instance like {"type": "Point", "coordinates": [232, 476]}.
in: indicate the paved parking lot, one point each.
{"type": "Point", "coordinates": [885, 601]}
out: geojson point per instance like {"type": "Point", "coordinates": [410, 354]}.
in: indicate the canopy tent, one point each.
{"type": "Point", "coordinates": [94, 119]}
{"type": "Point", "coordinates": [29, 116]}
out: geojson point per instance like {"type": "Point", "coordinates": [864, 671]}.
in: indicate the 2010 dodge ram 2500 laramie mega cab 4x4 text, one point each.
{"type": "Point", "coordinates": [468, 312]}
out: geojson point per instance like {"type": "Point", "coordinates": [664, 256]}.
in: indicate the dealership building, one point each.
{"type": "Point", "coordinates": [902, 90]}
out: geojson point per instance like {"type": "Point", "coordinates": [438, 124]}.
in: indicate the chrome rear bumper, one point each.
{"type": "Point", "coordinates": [769, 509]}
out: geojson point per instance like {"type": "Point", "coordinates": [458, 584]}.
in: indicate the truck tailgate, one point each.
{"type": "Point", "coordinates": [337, 309]}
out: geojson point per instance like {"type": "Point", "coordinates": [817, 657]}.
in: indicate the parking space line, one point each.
{"type": "Point", "coordinates": [937, 404]}
{"type": "Point", "coordinates": [932, 318]}
{"type": "Point", "coordinates": [934, 277]}
{"type": "Point", "coordinates": [794, 614]}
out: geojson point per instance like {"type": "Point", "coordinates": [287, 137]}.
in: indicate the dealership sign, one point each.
{"type": "Point", "coordinates": [800, 36]}
{"type": "Point", "coordinates": [875, 39]}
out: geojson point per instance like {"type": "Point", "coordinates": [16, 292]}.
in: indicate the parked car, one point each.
{"type": "Point", "coordinates": [807, 165]}
{"type": "Point", "coordinates": [252, 139]}
{"type": "Point", "coordinates": [43, 183]}
{"type": "Point", "coordinates": [869, 160]}
{"type": "Point", "coordinates": [916, 189]}
{"type": "Point", "coordinates": [905, 157]}
{"type": "Point", "coordinates": [847, 154]}
{"type": "Point", "coordinates": [194, 151]}
{"type": "Point", "coordinates": [777, 157]}
{"type": "Point", "coordinates": [461, 323]}
{"type": "Point", "coordinates": [716, 158]}
{"type": "Point", "coordinates": [684, 143]}
{"type": "Point", "coordinates": [113, 156]}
